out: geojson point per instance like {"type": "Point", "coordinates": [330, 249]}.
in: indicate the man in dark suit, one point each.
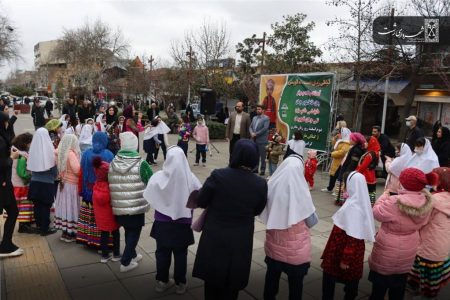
{"type": "Point", "coordinates": [152, 111]}
{"type": "Point", "coordinates": [238, 126]}
{"type": "Point", "coordinates": [259, 132]}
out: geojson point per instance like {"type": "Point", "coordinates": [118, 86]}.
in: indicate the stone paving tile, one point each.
{"type": "Point", "coordinates": [87, 275]}
{"type": "Point", "coordinates": [104, 291]}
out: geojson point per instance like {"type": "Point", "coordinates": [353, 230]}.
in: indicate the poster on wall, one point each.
{"type": "Point", "coordinates": [299, 102]}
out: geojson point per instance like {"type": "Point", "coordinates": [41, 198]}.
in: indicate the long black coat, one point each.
{"type": "Point", "coordinates": [233, 198]}
{"type": "Point", "coordinates": [6, 192]}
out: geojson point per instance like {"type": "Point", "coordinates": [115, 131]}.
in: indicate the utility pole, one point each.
{"type": "Point", "coordinates": [262, 44]}
{"type": "Point", "coordinates": [150, 62]}
{"type": "Point", "coordinates": [189, 54]}
{"type": "Point", "coordinates": [386, 84]}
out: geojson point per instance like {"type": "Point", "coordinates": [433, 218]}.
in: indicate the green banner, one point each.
{"type": "Point", "coordinates": [304, 103]}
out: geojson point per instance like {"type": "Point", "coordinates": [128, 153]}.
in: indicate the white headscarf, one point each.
{"type": "Point", "coordinates": [99, 120]}
{"type": "Point", "coordinates": [161, 128]}
{"type": "Point", "coordinates": [345, 136]}
{"type": "Point", "coordinates": [298, 146]}
{"type": "Point", "coordinates": [399, 163]}
{"type": "Point", "coordinates": [64, 123]}
{"type": "Point", "coordinates": [289, 200]}
{"type": "Point", "coordinates": [86, 134]}
{"type": "Point", "coordinates": [42, 153]}
{"type": "Point", "coordinates": [168, 190]}
{"type": "Point", "coordinates": [426, 162]}
{"type": "Point", "coordinates": [355, 217]}
{"type": "Point", "coordinates": [68, 142]}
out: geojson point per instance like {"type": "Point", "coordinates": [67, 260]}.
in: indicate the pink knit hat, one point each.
{"type": "Point", "coordinates": [358, 138]}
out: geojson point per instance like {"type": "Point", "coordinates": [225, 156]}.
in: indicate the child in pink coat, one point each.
{"type": "Point", "coordinates": [431, 269]}
{"type": "Point", "coordinates": [396, 243]}
{"type": "Point", "coordinates": [201, 136]}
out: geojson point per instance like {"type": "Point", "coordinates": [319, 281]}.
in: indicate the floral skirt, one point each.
{"type": "Point", "coordinates": [87, 231]}
{"type": "Point", "coordinates": [67, 209]}
{"type": "Point", "coordinates": [429, 276]}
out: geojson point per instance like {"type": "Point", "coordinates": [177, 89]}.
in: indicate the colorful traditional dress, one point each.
{"type": "Point", "coordinates": [21, 180]}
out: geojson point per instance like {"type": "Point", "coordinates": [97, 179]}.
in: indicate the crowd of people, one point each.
{"type": "Point", "coordinates": [91, 172]}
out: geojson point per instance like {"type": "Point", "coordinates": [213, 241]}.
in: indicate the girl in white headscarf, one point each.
{"type": "Point", "coordinates": [288, 215]}
{"type": "Point", "coordinates": [64, 120]}
{"type": "Point", "coordinates": [394, 166]}
{"type": "Point", "coordinates": [167, 192]}
{"type": "Point", "coordinates": [42, 164]}
{"type": "Point", "coordinates": [99, 125]}
{"type": "Point", "coordinates": [424, 157]}
{"type": "Point", "coordinates": [67, 200]}
{"type": "Point", "coordinates": [86, 137]}
{"type": "Point", "coordinates": [343, 257]}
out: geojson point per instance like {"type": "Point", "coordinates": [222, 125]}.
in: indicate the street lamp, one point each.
{"type": "Point", "coordinates": [262, 44]}
{"type": "Point", "coordinates": [150, 62]}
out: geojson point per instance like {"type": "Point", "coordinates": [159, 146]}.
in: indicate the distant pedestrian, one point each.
{"type": "Point", "coordinates": [343, 256]}
{"type": "Point", "coordinates": [184, 132]}
{"type": "Point", "coordinates": [441, 145]}
{"type": "Point", "coordinates": [49, 108]}
{"type": "Point", "coordinates": [311, 168]}
{"type": "Point", "coordinates": [70, 108]}
{"type": "Point", "coordinates": [129, 208]}
{"type": "Point", "coordinates": [225, 249]}
{"type": "Point", "coordinates": [387, 149]}
{"type": "Point", "coordinates": [152, 111]}
{"type": "Point", "coordinates": [367, 165]}
{"type": "Point", "coordinates": [37, 113]}
{"type": "Point", "coordinates": [274, 150]}
{"type": "Point", "coordinates": [201, 136]}
{"type": "Point", "coordinates": [238, 126]}
{"type": "Point", "coordinates": [85, 139]}
{"type": "Point", "coordinates": [414, 132]}
{"type": "Point", "coordinates": [288, 215]}
{"type": "Point", "coordinates": [259, 132]}
{"type": "Point", "coordinates": [172, 226]}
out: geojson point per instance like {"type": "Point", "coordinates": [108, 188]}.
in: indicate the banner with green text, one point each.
{"type": "Point", "coordinates": [299, 102]}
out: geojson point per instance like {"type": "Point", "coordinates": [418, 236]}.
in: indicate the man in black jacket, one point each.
{"type": "Point", "coordinates": [152, 111]}
{"type": "Point", "coordinates": [49, 108]}
{"type": "Point", "coordinates": [37, 112]}
{"type": "Point", "coordinates": [387, 149]}
{"type": "Point", "coordinates": [413, 133]}
{"type": "Point", "coordinates": [70, 109]}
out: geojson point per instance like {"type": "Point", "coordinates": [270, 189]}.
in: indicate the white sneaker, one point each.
{"type": "Point", "coordinates": [333, 194]}
{"type": "Point", "coordinates": [138, 258]}
{"type": "Point", "coordinates": [104, 260]}
{"type": "Point", "coordinates": [116, 258]}
{"type": "Point", "coordinates": [131, 266]}
{"type": "Point", "coordinates": [17, 252]}
{"type": "Point", "coordinates": [181, 288]}
{"type": "Point", "coordinates": [163, 286]}
{"type": "Point", "coordinates": [325, 190]}
{"type": "Point", "coordinates": [196, 164]}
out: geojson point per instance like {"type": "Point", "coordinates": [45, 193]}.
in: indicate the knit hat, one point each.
{"type": "Point", "coordinates": [128, 141]}
{"type": "Point", "coordinates": [358, 138]}
{"type": "Point", "coordinates": [312, 153]}
{"type": "Point", "coordinates": [53, 124]}
{"type": "Point", "coordinates": [415, 180]}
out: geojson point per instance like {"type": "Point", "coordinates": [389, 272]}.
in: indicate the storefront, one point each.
{"type": "Point", "coordinates": [433, 105]}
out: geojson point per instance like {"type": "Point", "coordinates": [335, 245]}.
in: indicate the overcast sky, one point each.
{"type": "Point", "coordinates": [151, 25]}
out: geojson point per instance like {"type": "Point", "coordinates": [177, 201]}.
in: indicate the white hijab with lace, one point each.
{"type": "Point", "coordinates": [68, 143]}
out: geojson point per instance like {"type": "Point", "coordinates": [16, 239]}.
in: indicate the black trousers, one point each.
{"type": "Point", "coordinates": [132, 235]}
{"type": "Point", "coordinates": [8, 229]}
{"type": "Point", "coordinates": [236, 137]}
{"type": "Point", "coordinates": [42, 215]}
{"type": "Point", "coordinates": [183, 145]}
{"type": "Point", "coordinates": [200, 150]}
{"type": "Point", "coordinates": [395, 285]}
{"type": "Point", "coordinates": [162, 146]}
{"type": "Point", "coordinates": [295, 278]}
{"type": "Point", "coordinates": [329, 283]}
{"type": "Point", "coordinates": [104, 238]}
{"type": "Point", "coordinates": [214, 293]}
{"type": "Point", "coordinates": [163, 261]}
{"type": "Point", "coordinates": [333, 179]}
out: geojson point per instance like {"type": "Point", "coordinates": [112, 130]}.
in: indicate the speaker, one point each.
{"type": "Point", "coordinates": [207, 101]}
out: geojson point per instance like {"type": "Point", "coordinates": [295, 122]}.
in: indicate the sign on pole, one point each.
{"type": "Point", "coordinates": [303, 102]}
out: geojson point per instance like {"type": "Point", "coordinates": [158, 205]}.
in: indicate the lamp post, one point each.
{"type": "Point", "coordinates": [262, 44]}
{"type": "Point", "coordinates": [190, 53]}
{"type": "Point", "coordinates": [150, 62]}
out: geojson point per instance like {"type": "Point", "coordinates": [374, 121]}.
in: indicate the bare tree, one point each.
{"type": "Point", "coordinates": [431, 8]}
{"type": "Point", "coordinates": [9, 41]}
{"type": "Point", "coordinates": [87, 50]}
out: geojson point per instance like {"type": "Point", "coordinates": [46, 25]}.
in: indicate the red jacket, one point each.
{"type": "Point", "coordinates": [101, 199]}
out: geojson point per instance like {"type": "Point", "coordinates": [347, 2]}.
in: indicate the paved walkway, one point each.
{"type": "Point", "coordinates": [52, 269]}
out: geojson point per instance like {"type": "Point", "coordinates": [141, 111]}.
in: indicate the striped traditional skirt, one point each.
{"type": "Point", "coordinates": [429, 276]}
{"type": "Point", "coordinates": [67, 208]}
{"type": "Point", "coordinates": [87, 231]}
{"type": "Point", "coordinates": [25, 206]}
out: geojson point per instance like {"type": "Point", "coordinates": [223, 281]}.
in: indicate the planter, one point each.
{"type": "Point", "coordinates": [24, 109]}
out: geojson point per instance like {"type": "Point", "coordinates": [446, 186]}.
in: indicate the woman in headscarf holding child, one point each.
{"type": "Point", "coordinates": [225, 249]}
{"type": "Point", "coordinates": [168, 191]}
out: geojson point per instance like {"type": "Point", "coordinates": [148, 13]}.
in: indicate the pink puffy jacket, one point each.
{"type": "Point", "coordinates": [396, 243]}
{"type": "Point", "coordinates": [291, 246]}
{"type": "Point", "coordinates": [435, 237]}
